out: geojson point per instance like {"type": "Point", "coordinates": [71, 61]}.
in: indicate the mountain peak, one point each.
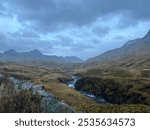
{"type": "Point", "coordinates": [11, 52]}
{"type": "Point", "coordinates": [72, 59]}
{"type": "Point", "coordinates": [36, 52]}
{"type": "Point", "coordinates": [147, 35]}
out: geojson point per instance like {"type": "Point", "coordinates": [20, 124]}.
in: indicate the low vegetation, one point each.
{"type": "Point", "coordinates": [17, 101]}
{"type": "Point", "coordinates": [50, 79]}
{"type": "Point", "coordinates": [117, 90]}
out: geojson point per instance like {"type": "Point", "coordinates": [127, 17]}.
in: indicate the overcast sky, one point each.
{"type": "Point", "coordinates": [84, 28]}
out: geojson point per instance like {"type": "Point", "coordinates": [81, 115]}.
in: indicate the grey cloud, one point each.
{"type": "Point", "coordinates": [101, 31]}
{"type": "Point", "coordinates": [118, 37]}
{"type": "Point", "coordinates": [4, 47]}
{"type": "Point", "coordinates": [95, 41]}
{"type": "Point", "coordinates": [62, 41]}
{"type": "Point", "coordinates": [65, 39]}
{"type": "Point", "coordinates": [30, 44]}
{"type": "Point", "coordinates": [1, 9]}
{"type": "Point", "coordinates": [30, 34]}
{"type": "Point", "coordinates": [26, 34]}
{"type": "Point", "coordinates": [3, 42]}
{"type": "Point", "coordinates": [45, 16]}
{"type": "Point", "coordinates": [20, 43]}
{"type": "Point", "coordinates": [81, 47]}
{"type": "Point", "coordinates": [48, 15]}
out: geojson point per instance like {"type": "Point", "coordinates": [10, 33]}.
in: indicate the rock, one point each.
{"type": "Point", "coordinates": [17, 83]}
{"type": "Point", "coordinates": [63, 108]}
{"type": "Point", "coordinates": [44, 93]}
{"type": "Point", "coordinates": [37, 88]}
{"type": "Point", "coordinates": [26, 86]}
{"type": "Point", "coordinates": [49, 103]}
{"type": "Point", "coordinates": [14, 80]}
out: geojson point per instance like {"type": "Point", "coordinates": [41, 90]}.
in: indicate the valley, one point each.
{"type": "Point", "coordinates": [115, 81]}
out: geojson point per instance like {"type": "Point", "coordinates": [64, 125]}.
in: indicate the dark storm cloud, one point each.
{"type": "Point", "coordinates": [48, 15]}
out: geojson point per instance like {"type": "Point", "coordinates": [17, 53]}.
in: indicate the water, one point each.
{"type": "Point", "coordinates": [71, 84]}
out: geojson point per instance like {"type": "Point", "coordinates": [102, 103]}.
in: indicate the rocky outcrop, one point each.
{"type": "Point", "coordinates": [49, 103]}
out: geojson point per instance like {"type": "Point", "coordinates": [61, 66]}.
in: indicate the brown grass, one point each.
{"type": "Point", "coordinates": [49, 78]}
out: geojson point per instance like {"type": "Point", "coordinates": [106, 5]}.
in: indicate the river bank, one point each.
{"type": "Point", "coordinates": [48, 102]}
{"type": "Point", "coordinates": [72, 84]}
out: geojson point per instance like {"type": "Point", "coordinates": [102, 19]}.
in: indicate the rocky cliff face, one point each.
{"type": "Point", "coordinates": [49, 103]}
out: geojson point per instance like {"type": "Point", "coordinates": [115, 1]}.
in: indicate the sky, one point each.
{"type": "Point", "coordinates": [82, 28]}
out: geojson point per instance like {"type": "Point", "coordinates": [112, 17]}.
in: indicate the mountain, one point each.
{"type": "Point", "coordinates": [133, 52]}
{"type": "Point", "coordinates": [11, 52]}
{"type": "Point", "coordinates": [72, 59]}
{"type": "Point", "coordinates": [35, 55]}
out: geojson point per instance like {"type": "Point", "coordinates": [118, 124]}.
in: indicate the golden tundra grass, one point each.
{"type": "Point", "coordinates": [49, 78]}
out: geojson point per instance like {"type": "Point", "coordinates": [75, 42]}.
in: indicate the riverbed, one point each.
{"type": "Point", "coordinates": [71, 84]}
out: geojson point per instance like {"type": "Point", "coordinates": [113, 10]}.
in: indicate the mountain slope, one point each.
{"type": "Point", "coordinates": [135, 51]}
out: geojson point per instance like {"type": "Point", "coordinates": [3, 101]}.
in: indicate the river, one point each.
{"type": "Point", "coordinates": [71, 84]}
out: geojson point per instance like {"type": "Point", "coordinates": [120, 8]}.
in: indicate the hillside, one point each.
{"type": "Point", "coordinates": [132, 54]}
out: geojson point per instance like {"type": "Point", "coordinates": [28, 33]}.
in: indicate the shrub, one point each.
{"type": "Point", "coordinates": [17, 101]}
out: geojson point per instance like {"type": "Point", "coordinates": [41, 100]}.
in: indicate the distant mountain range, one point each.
{"type": "Point", "coordinates": [135, 52]}
{"type": "Point", "coordinates": [35, 55]}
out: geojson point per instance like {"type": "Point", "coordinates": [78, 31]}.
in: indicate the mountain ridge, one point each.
{"type": "Point", "coordinates": [133, 48]}
{"type": "Point", "coordinates": [13, 56]}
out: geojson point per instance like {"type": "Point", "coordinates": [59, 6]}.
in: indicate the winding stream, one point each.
{"type": "Point", "coordinates": [71, 84]}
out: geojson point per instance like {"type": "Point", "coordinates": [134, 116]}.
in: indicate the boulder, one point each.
{"type": "Point", "coordinates": [26, 86]}
{"type": "Point", "coordinates": [47, 104]}
{"type": "Point", "coordinates": [62, 108]}
{"type": "Point", "coordinates": [52, 105]}
{"type": "Point", "coordinates": [37, 88]}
